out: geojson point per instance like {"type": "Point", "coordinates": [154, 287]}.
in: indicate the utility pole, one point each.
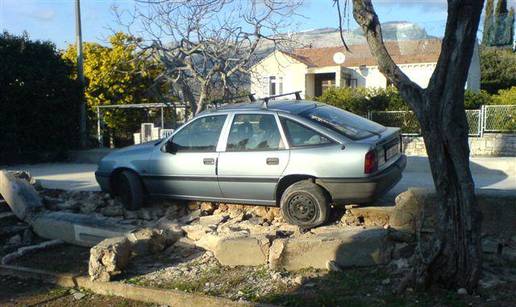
{"type": "Point", "coordinates": [80, 74]}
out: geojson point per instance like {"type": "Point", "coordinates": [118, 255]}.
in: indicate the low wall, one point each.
{"type": "Point", "coordinates": [490, 144]}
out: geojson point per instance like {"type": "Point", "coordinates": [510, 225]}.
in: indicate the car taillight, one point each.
{"type": "Point", "coordinates": [371, 163]}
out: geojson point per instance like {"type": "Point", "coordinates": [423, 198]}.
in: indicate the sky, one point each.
{"type": "Point", "coordinates": [54, 20]}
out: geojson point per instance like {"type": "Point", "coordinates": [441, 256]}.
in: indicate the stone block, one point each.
{"type": "Point", "coordinates": [109, 258]}
{"type": "Point", "coordinates": [238, 249]}
{"type": "Point", "coordinates": [346, 248]}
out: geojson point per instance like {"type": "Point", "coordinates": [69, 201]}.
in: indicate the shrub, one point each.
{"type": "Point", "coordinates": [361, 100]}
{"type": "Point", "coordinates": [474, 100]}
{"type": "Point", "coordinates": [39, 102]}
{"type": "Point", "coordinates": [507, 96]}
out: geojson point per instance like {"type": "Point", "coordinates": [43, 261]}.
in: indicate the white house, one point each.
{"type": "Point", "coordinates": [312, 70]}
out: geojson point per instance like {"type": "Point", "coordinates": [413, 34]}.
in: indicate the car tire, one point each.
{"type": "Point", "coordinates": [129, 190]}
{"type": "Point", "coordinates": [305, 204]}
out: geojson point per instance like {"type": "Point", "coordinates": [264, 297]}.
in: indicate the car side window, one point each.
{"type": "Point", "coordinates": [300, 135]}
{"type": "Point", "coordinates": [250, 132]}
{"type": "Point", "coordinates": [201, 134]}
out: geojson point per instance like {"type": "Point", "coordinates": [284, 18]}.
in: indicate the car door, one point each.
{"type": "Point", "coordinates": [255, 156]}
{"type": "Point", "coordinates": [188, 172]}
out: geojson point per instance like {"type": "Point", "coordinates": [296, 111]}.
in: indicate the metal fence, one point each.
{"type": "Point", "coordinates": [493, 118]}
{"type": "Point", "coordinates": [406, 120]}
{"type": "Point", "coordinates": [500, 118]}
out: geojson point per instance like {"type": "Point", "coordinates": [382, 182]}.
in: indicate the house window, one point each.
{"type": "Point", "coordinates": [272, 85]}
{"type": "Point", "coordinates": [349, 82]}
{"type": "Point", "coordinates": [326, 84]}
{"type": "Point", "coordinates": [323, 82]}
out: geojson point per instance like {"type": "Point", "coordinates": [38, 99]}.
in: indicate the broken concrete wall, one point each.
{"type": "Point", "coordinates": [351, 248]}
{"type": "Point", "coordinates": [79, 229]}
{"type": "Point", "coordinates": [21, 197]}
{"type": "Point", "coordinates": [498, 210]}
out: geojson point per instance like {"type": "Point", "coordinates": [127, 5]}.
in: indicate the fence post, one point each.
{"type": "Point", "coordinates": [482, 120]}
{"type": "Point", "coordinates": [99, 122]}
{"type": "Point", "coordinates": [369, 115]}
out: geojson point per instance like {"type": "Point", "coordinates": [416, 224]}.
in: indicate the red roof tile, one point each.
{"type": "Point", "coordinates": [403, 52]}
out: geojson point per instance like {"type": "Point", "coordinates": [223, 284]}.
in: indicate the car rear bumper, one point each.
{"type": "Point", "coordinates": [363, 190]}
{"type": "Point", "coordinates": [103, 180]}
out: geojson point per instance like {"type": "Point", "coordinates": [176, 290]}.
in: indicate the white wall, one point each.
{"type": "Point", "coordinates": [473, 81]}
{"type": "Point", "coordinates": [372, 77]}
{"type": "Point", "coordinates": [279, 65]}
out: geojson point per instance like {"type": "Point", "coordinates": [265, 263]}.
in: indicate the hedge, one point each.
{"type": "Point", "coordinates": [361, 100]}
{"type": "Point", "coordinates": [39, 102]}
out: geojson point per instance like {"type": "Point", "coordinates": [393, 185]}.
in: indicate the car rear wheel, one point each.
{"type": "Point", "coordinates": [305, 204]}
{"type": "Point", "coordinates": [129, 190]}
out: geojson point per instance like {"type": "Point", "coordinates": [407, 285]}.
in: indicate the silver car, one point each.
{"type": "Point", "coordinates": [300, 155]}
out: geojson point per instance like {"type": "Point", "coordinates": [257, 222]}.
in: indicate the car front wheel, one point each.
{"type": "Point", "coordinates": [305, 204]}
{"type": "Point", "coordinates": [129, 190]}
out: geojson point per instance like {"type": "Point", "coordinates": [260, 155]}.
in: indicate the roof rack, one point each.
{"type": "Point", "coordinates": [266, 99]}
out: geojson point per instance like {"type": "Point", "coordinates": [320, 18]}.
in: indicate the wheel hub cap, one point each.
{"type": "Point", "coordinates": [302, 208]}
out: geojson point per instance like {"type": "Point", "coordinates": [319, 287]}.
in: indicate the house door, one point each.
{"type": "Point", "coordinates": [323, 82]}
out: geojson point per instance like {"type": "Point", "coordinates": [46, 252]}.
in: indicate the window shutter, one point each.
{"type": "Point", "coordinates": [265, 86]}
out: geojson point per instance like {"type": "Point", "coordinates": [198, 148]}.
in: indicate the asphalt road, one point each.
{"type": "Point", "coordinates": [489, 173]}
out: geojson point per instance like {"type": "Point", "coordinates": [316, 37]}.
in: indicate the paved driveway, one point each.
{"type": "Point", "coordinates": [66, 176]}
{"type": "Point", "coordinates": [489, 173]}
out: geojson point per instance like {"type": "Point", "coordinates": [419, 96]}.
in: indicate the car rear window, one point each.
{"type": "Point", "coordinates": [348, 124]}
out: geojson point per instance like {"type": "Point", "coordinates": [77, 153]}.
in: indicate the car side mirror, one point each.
{"type": "Point", "coordinates": [170, 147]}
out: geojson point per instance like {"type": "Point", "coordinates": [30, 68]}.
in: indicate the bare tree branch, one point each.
{"type": "Point", "coordinates": [341, 29]}
{"type": "Point", "coordinates": [208, 43]}
{"type": "Point", "coordinates": [366, 17]}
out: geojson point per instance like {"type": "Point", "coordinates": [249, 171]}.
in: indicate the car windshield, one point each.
{"type": "Point", "coordinates": [350, 125]}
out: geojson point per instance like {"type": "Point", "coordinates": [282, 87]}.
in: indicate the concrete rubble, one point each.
{"type": "Point", "coordinates": [109, 258]}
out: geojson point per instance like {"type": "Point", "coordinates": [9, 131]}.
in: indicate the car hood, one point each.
{"type": "Point", "coordinates": [139, 149]}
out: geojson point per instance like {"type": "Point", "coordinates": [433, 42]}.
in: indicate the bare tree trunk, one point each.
{"type": "Point", "coordinates": [452, 255]}
{"type": "Point", "coordinates": [202, 96]}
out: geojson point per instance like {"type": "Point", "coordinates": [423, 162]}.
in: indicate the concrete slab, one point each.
{"type": "Point", "coordinates": [79, 229]}
{"type": "Point", "coordinates": [347, 248]}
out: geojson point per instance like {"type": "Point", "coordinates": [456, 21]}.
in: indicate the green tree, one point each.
{"type": "Point", "coordinates": [503, 25]}
{"type": "Point", "coordinates": [39, 102]}
{"type": "Point", "coordinates": [475, 100]}
{"type": "Point", "coordinates": [117, 75]}
{"type": "Point", "coordinates": [487, 35]}
{"type": "Point", "coordinates": [497, 69]}
{"type": "Point", "coordinates": [509, 27]}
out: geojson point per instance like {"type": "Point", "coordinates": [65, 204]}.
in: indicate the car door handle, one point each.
{"type": "Point", "coordinates": [208, 161]}
{"type": "Point", "coordinates": [272, 161]}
